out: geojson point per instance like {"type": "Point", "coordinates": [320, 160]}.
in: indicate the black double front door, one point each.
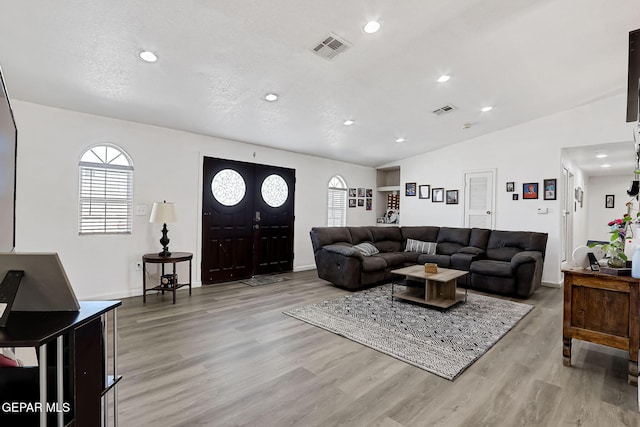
{"type": "Point", "coordinates": [247, 220]}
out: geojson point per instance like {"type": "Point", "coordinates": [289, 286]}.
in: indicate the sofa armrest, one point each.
{"type": "Point", "coordinates": [348, 251]}
{"type": "Point", "coordinates": [471, 250]}
{"type": "Point", "coordinates": [525, 257]}
{"type": "Point", "coordinates": [527, 267]}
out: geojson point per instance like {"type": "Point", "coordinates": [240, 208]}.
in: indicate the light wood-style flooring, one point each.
{"type": "Point", "coordinates": [227, 356]}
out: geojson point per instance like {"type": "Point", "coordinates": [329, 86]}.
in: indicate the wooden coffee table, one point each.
{"type": "Point", "coordinates": [431, 289]}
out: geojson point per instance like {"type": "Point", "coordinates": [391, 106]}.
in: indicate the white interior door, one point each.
{"type": "Point", "coordinates": [478, 199]}
{"type": "Point", "coordinates": [567, 214]}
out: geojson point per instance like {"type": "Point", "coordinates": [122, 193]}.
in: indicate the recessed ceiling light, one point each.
{"type": "Point", "coordinates": [271, 97]}
{"type": "Point", "coordinates": [400, 140]}
{"type": "Point", "coordinates": [443, 78]}
{"type": "Point", "coordinates": [349, 122]}
{"type": "Point", "coordinates": [601, 156]}
{"type": "Point", "coordinates": [148, 56]}
{"type": "Point", "coordinates": [487, 108]}
{"type": "Point", "coordinates": [371, 27]}
{"type": "Point", "coordinates": [606, 165]}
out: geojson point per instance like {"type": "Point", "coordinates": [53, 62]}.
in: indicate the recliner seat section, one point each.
{"type": "Point", "coordinates": [505, 262]}
{"type": "Point", "coordinates": [513, 263]}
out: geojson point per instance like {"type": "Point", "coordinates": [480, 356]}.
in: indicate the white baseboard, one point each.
{"type": "Point", "coordinates": [305, 267]}
{"type": "Point", "coordinates": [552, 285]}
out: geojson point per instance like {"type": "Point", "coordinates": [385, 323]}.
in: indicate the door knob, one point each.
{"type": "Point", "coordinates": [256, 227]}
{"type": "Point", "coordinates": [488, 212]}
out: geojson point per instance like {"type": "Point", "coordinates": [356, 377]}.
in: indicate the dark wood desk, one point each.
{"type": "Point", "coordinates": [603, 309]}
{"type": "Point", "coordinates": [174, 258]}
{"type": "Point", "coordinates": [84, 365]}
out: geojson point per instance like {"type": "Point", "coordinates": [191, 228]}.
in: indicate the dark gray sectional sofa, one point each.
{"type": "Point", "coordinates": [504, 262]}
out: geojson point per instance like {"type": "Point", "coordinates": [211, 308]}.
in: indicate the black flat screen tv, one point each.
{"type": "Point", "coordinates": [8, 151]}
{"type": "Point", "coordinates": [634, 76]}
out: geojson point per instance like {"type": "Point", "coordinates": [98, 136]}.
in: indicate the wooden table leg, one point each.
{"type": "Point", "coordinates": [144, 282]}
{"type": "Point", "coordinates": [189, 277]}
{"type": "Point", "coordinates": [566, 351]}
{"type": "Point", "coordinates": [175, 283]}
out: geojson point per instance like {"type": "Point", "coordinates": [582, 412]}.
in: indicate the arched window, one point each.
{"type": "Point", "coordinates": [106, 190]}
{"type": "Point", "coordinates": [337, 202]}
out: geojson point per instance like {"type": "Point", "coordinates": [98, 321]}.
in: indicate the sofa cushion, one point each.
{"type": "Point", "coordinates": [322, 236]}
{"type": "Point", "coordinates": [393, 259]}
{"type": "Point", "coordinates": [489, 267]}
{"type": "Point", "coordinates": [411, 257]}
{"type": "Point", "coordinates": [443, 261]}
{"type": "Point", "coordinates": [420, 246]}
{"type": "Point", "coordinates": [424, 233]}
{"type": "Point", "coordinates": [366, 248]}
{"type": "Point", "coordinates": [459, 236]}
{"type": "Point", "coordinates": [360, 234]}
{"type": "Point", "coordinates": [504, 245]}
{"type": "Point", "coordinates": [451, 240]}
{"type": "Point", "coordinates": [373, 263]}
{"type": "Point", "coordinates": [479, 237]}
{"type": "Point", "coordinates": [387, 239]}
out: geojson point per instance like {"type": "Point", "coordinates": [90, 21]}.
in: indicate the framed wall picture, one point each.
{"type": "Point", "coordinates": [514, 196]}
{"type": "Point", "coordinates": [353, 192]}
{"type": "Point", "coordinates": [511, 187]}
{"type": "Point", "coordinates": [424, 191]}
{"type": "Point", "coordinates": [437, 195]}
{"type": "Point", "coordinates": [361, 192]}
{"type": "Point", "coordinates": [530, 190]}
{"type": "Point", "coordinates": [550, 189]}
{"type": "Point", "coordinates": [360, 202]}
{"type": "Point", "coordinates": [452, 197]}
{"type": "Point", "coordinates": [368, 203]}
{"type": "Point", "coordinates": [369, 192]}
{"type": "Point", "coordinates": [352, 203]}
{"type": "Point", "coordinates": [410, 189]}
{"type": "Point", "coordinates": [609, 201]}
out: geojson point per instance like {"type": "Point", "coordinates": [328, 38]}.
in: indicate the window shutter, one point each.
{"type": "Point", "coordinates": [106, 198]}
{"type": "Point", "coordinates": [337, 204]}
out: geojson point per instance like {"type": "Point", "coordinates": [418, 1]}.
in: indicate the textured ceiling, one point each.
{"type": "Point", "coordinates": [218, 58]}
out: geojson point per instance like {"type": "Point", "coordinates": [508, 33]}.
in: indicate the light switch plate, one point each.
{"type": "Point", "coordinates": [141, 210]}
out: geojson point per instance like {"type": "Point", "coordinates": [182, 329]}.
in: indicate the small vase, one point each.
{"type": "Point", "coordinates": [616, 262]}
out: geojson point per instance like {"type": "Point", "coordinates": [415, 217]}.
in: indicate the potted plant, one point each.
{"type": "Point", "coordinates": [620, 228]}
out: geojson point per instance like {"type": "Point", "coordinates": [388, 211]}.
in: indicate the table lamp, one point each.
{"type": "Point", "coordinates": [162, 213]}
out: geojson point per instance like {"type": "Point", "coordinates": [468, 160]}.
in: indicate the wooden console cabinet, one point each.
{"type": "Point", "coordinates": [603, 309]}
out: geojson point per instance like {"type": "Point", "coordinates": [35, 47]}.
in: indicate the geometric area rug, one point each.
{"type": "Point", "coordinates": [444, 343]}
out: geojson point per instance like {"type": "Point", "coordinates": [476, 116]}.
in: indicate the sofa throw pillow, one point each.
{"type": "Point", "coordinates": [421, 247]}
{"type": "Point", "coordinates": [366, 248]}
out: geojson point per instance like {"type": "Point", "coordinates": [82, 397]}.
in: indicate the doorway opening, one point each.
{"type": "Point", "coordinates": [247, 220]}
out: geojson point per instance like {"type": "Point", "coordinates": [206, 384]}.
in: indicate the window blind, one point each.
{"type": "Point", "coordinates": [337, 207]}
{"type": "Point", "coordinates": [106, 198]}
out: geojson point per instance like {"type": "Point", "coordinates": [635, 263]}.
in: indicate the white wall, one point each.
{"type": "Point", "coordinates": [530, 152]}
{"type": "Point", "coordinates": [167, 166]}
{"type": "Point", "coordinates": [598, 215]}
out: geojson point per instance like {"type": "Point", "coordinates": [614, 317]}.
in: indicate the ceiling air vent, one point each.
{"type": "Point", "coordinates": [444, 110]}
{"type": "Point", "coordinates": [331, 46]}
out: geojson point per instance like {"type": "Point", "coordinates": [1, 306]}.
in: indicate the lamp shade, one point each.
{"type": "Point", "coordinates": [163, 212]}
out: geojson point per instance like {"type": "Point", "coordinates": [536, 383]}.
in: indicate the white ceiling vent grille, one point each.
{"type": "Point", "coordinates": [331, 46]}
{"type": "Point", "coordinates": [444, 110]}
